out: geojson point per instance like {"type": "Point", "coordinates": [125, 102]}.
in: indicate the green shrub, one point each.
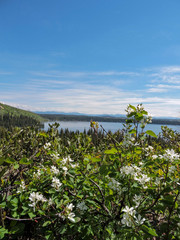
{"type": "Point", "coordinates": [69, 188]}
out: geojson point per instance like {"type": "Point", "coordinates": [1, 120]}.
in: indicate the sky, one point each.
{"type": "Point", "coordinates": [90, 56]}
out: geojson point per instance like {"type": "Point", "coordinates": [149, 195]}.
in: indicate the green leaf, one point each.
{"type": "Point", "coordinates": [49, 235]}
{"type": "Point", "coordinates": [31, 215]}
{"type": "Point", "coordinates": [151, 133]}
{"type": "Point", "coordinates": [3, 171]}
{"type": "Point", "coordinates": [46, 223]}
{"type": "Point", "coordinates": [3, 231]}
{"type": "Point", "coordinates": [14, 202]}
{"type": "Point", "coordinates": [25, 161]}
{"type": "Point", "coordinates": [9, 160]}
{"type": "Point", "coordinates": [1, 160]}
{"type": "Point", "coordinates": [88, 167]}
{"type": "Point", "coordinates": [132, 131]}
{"type": "Point", "coordinates": [16, 166]}
{"type": "Point", "coordinates": [2, 205]}
{"type": "Point", "coordinates": [150, 231]}
{"type": "Point", "coordinates": [111, 151]}
{"type": "Point", "coordinates": [131, 106]}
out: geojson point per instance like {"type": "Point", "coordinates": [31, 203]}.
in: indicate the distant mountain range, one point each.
{"type": "Point", "coordinates": [80, 114]}
{"type": "Point", "coordinates": [96, 115]}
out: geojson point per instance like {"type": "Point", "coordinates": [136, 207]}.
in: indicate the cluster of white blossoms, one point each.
{"type": "Point", "coordinates": [114, 185]}
{"type": "Point", "coordinates": [169, 155]}
{"type": "Point", "coordinates": [68, 161]}
{"type": "Point", "coordinates": [67, 213]}
{"type": "Point", "coordinates": [140, 107]}
{"type": "Point", "coordinates": [136, 173]}
{"type": "Point", "coordinates": [56, 183]}
{"type": "Point", "coordinates": [54, 170]}
{"type": "Point", "coordinates": [128, 140]}
{"type": "Point", "coordinates": [129, 110]}
{"type": "Point", "coordinates": [55, 156]}
{"type": "Point", "coordinates": [47, 146]}
{"type": "Point", "coordinates": [129, 218]}
{"type": "Point", "coordinates": [148, 150]}
{"type": "Point", "coordinates": [137, 200]}
{"type": "Point", "coordinates": [40, 171]}
{"type": "Point", "coordinates": [22, 187]}
{"type": "Point", "coordinates": [36, 197]}
{"type": "Point", "coordinates": [146, 119]}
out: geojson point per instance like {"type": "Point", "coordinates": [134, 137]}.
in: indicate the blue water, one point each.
{"type": "Point", "coordinates": [112, 126]}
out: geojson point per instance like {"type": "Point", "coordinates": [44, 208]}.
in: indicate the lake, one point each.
{"type": "Point", "coordinates": [112, 126]}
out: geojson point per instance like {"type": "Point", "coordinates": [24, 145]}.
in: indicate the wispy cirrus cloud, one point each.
{"type": "Point", "coordinates": [61, 74]}
{"type": "Point", "coordinates": [5, 73]}
{"type": "Point", "coordinates": [101, 92]}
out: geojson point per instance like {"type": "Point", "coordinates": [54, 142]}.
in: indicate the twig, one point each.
{"type": "Point", "coordinates": [103, 199]}
{"type": "Point", "coordinates": [114, 142]}
{"type": "Point", "coordinates": [22, 219]}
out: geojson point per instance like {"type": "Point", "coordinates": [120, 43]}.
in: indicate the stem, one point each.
{"type": "Point", "coordinates": [22, 219]}
{"type": "Point", "coordinates": [2, 218]}
{"type": "Point", "coordinates": [114, 142]}
{"type": "Point", "coordinates": [103, 199]}
{"type": "Point", "coordinates": [169, 217]}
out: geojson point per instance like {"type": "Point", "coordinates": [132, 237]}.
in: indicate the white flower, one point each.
{"type": "Point", "coordinates": [140, 107]}
{"type": "Point", "coordinates": [54, 170]}
{"type": "Point", "coordinates": [50, 202]}
{"type": "Point", "coordinates": [70, 207]}
{"type": "Point", "coordinates": [143, 179]}
{"type": "Point", "coordinates": [126, 220]}
{"type": "Point", "coordinates": [66, 160]}
{"type": "Point", "coordinates": [129, 214]}
{"type": "Point", "coordinates": [65, 170]}
{"type": "Point", "coordinates": [74, 165]}
{"type": "Point", "coordinates": [172, 169]}
{"type": "Point", "coordinates": [130, 211]}
{"type": "Point", "coordinates": [55, 156]}
{"type": "Point", "coordinates": [137, 199]}
{"type": "Point", "coordinates": [56, 183]}
{"type": "Point", "coordinates": [35, 197]}
{"type": "Point", "coordinates": [127, 170]}
{"type": "Point", "coordinates": [37, 174]}
{"type": "Point", "coordinates": [61, 216]}
{"type": "Point", "coordinates": [71, 217]}
{"type": "Point", "coordinates": [47, 146]}
{"type": "Point", "coordinates": [22, 187]}
{"type": "Point", "coordinates": [154, 156]}
{"type": "Point", "coordinates": [170, 155]}
{"type": "Point", "coordinates": [32, 197]}
{"type": "Point", "coordinates": [129, 110]}
{"type": "Point", "coordinates": [139, 220]}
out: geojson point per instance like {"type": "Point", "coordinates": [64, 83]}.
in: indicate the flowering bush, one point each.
{"type": "Point", "coordinates": [127, 190]}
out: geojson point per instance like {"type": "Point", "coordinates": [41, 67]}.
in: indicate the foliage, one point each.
{"type": "Point", "coordinates": [60, 186]}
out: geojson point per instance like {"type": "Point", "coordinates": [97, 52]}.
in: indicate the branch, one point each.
{"type": "Point", "coordinates": [22, 219]}
{"type": "Point", "coordinates": [102, 204]}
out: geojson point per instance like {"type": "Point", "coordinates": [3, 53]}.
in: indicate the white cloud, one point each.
{"type": "Point", "coordinates": [97, 92]}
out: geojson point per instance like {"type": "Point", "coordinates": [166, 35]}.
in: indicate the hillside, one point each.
{"type": "Point", "coordinates": [11, 117]}
{"type": "Point", "coordinates": [6, 109]}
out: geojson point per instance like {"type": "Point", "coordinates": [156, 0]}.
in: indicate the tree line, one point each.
{"type": "Point", "coordinates": [8, 121]}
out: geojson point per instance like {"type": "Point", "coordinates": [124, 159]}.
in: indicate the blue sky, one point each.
{"type": "Point", "coordinates": [90, 56]}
